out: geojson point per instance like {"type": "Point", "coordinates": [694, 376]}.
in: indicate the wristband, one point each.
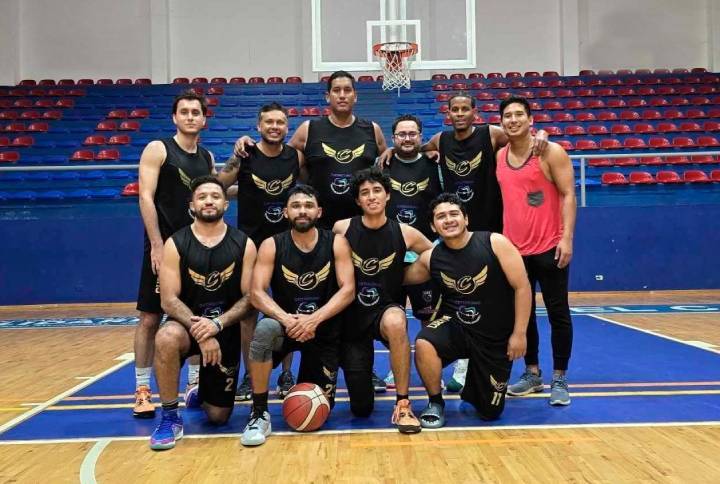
{"type": "Point", "coordinates": [218, 324]}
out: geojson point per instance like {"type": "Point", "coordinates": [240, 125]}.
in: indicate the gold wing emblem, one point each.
{"type": "Point", "coordinates": [475, 162]}
{"type": "Point", "coordinates": [447, 280]}
{"type": "Point", "coordinates": [329, 151]}
{"type": "Point", "coordinates": [395, 185]}
{"type": "Point", "coordinates": [287, 182]}
{"type": "Point", "coordinates": [358, 151]}
{"type": "Point", "coordinates": [479, 279]}
{"type": "Point", "coordinates": [290, 276]}
{"type": "Point", "coordinates": [452, 166]}
{"type": "Point", "coordinates": [198, 279]}
{"type": "Point", "coordinates": [387, 261]}
{"type": "Point", "coordinates": [260, 183]}
{"type": "Point", "coordinates": [323, 273]}
{"type": "Point", "coordinates": [423, 184]}
{"type": "Point", "coordinates": [357, 260]}
{"type": "Point", "coordinates": [184, 178]}
{"type": "Point", "coordinates": [497, 385]}
{"type": "Point", "coordinates": [227, 273]}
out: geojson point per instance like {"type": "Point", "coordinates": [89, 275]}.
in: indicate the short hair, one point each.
{"type": "Point", "coordinates": [515, 100]}
{"type": "Point", "coordinates": [338, 75]}
{"type": "Point", "coordinates": [373, 175]}
{"type": "Point", "coordinates": [451, 198]}
{"type": "Point", "coordinates": [407, 117]}
{"type": "Point", "coordinates": [462, 94]}
{"type": "Point", "coordinates": [190, 95]}
{"type": "Point", "coordinates": [273, 106]}
{"type": "Point", "coordinates": [202, 180]}
{"type": "Point", "coordinates": [303, 190]}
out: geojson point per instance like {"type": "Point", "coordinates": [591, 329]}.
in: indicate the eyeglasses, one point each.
{"type": "Point", "coordinates": [410, 135]}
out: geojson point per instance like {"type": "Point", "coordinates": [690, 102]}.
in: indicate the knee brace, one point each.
{"type": "Point", "coordinates": [268, 333]}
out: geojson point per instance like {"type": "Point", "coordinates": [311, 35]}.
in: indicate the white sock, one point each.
{"type": "Point", "coordinates": [193, 374]}
{"type": "Point", "coordinates": [142, 376]}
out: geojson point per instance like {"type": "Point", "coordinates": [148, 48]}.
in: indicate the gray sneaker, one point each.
{"type": "Point", "coordinates": [528, 383]}
{"type": "Point", "coordinates": [257, 429]}
{"type": "Point", "coordinates": [285, 382]}
{"type": "Point", "coordinates": [379, 384]}
{"type": "Point", "coordinates": [559, 394]}
{"type": "Point", "coordinates": [244, 390]}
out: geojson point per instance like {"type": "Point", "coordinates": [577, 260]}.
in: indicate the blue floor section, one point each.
{"type": "Point", "coordinates": [628, 362]}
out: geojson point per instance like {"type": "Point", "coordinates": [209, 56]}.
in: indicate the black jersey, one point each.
{"type": "Point", "coordinates": [172, 194]}
{"type": "Point", "coordinates": [377, 256]}
{"type": "Point", "coordinates": [210, 276]}
{"type": "Point", "coordinates": [468, 169]}
{"type": "Point", "coordinates": [301, 281]}
{"type": "Point", "coordinates": [263, 183]}
{"type": "Point", "coordinates": [333, 155]}
{"type": "Point", "coordinates": [474, 289]}
{"type": "Point", "coordinates": [414, 184]}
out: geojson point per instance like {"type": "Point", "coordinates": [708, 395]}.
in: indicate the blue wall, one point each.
{"type": "Point", "coordinates": [92, 253]}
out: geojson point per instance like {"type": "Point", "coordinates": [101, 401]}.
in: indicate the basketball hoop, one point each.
{"type": "Point", "coordinates": [395, 62]}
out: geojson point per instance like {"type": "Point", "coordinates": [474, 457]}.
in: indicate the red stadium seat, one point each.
{"type": "Point", "coordinates": [545, 94]}
{"type": "Point", "coordinates": [436, 77]}
{"type": "Point", "coordinates": [106, 126]}
{"type": "Point", "coordinates": [9, 156]}
{"type": "Point", "coordinates": [634, 143]}
{"type": "Point", "coordinates": [117, 114]}
{"type": "Point", "coordinates": [651, 160]}
{"type": "Point", "coordinates": [30, 115]}
{"type": "Point", "coordinates": [310, 112]}
{"type": "Point", "coordinates": [610, 144]}
{"type": "Point", "coordinates": [695, 114]}
{"type": "Point", "coordinates": [124, 81]}
{"type": "Point", "coordinates": [604, 92]}
{"type": "Point", "coordinates": [498, 85]}
{"type": "Point", "coordinates": [643, 128]}
{"type": "Point", "coordinates": [698, 70]}
{"type": "Point", "coordinates": [494, 75]}
{"type": "Point", "coordinates": [8, 115]}
{"type": "Point", "coordinates": [83, 155]}
{"type": "Point", "coordinates": [52, 115]}
{"type": "Point", "coordinates": [131, 125]}
{"type": "Point", "coordinates": [23, 103]}
{"type": "Point", "coordinates": [696, 176]}
{"type": "Point", "coordinates": [626, 162]}
{"type": "Point", "coordinates": [536, 83]}
{"type": "Point", "coordinates": [711, 126]}
{"type": "Point", "coordinates": [44, 103]}
{"type": "Point", "coordinates": [212, 101]}
{"type": "Point", "coordinates": [139, 113]}
{"type": "Point", "coordinates": [107, 155]}
{"type": "Point", "coordinates": [237, 80]}
{"type": "Point", "coordinates": [641, 178]}
{"type": "Point", "coordinates": [512, 74]}
{"type": "Point", "coordinates": [94, 140]}
{"type": "Point", "coordinates": [659, 102]}
{"type": "Point", "coordinates": [620, 129]}
{"type": "Point", "coordinates": [574, 82]}
{"type": "Point", "coordinates": [14, 128]}
{"type": "Point", "coordinates": [553, 130]}
{"type": "Point", "coordinates": [586, 144]}
{"type": "Point", "coordinates": [443, 97]}
{"type": "Point", "coordinates": [564, 93]}
{"type": "Point", "coordinates": [673, 114]}
{"type": "Point", "coordinates": [587, 72]}
{"type": "Point", "coordinates": [574, 130]}
{"type": "Point", "coordinates": [699, 100]}
{"type": "Point", "coordinates": [597, 129]}
{"type": "Point", "coordinates": [143, 81]}
{"type": "Point", "coordinates": [4, 142]}
{"type": "Point", "coordinates": [478, 119]}
{"type": "Point", "coordinates": [46, 82]}
{"type": "Point", "coordinates": [22, 142]}
{"type": "Point", "coordinates": [489, 107]}
{"type": "Point", "coordinates": [554, 83]}
{"type": "Point", "coordinates": [444, 108]}
{"type": "Point", "coordinates": [65, 103]}
{"type": "Point", "coordinates": [708, 142]}
{"type": "Point", "coordinates": [531, 74]}
{"type": "Point", "coordinates": [457, 75]}
{"type": "Point", "coordinates": [542, 118]}
{"type": "Point", "coordinates": [612, 178]}
{"type": "Point", "coordinates": [38, 127]}
{"type": "Point", "coordinates": [683, 142]}
{"type": "Point", "coordinates": [440, 87]}
{"type": "Point", "coordinates": [293, 80]}
{"type": "Point", "coordinates": [27, 83]}
{"type": "Point", "coordinates": [615, 103]}
{"type": "Point", "coordinates": [104, 82]}
{"type": "Point", "coordinates": [458, 86]}
{"type": "Point", "coordinates": [600, 162]}
{"type": "Point", "coordinates": [119, 139]}
{"type": "Point", "coordinates": [690, 126]}
{"type": "Point", "coordinates": [668, 176]}
{"type": "Point", "coordinates": [484, 96]}
{"type": "Point", "coordinates": [218, 80]}
{"type": "Point", "coordinates": [715, 175]}
{"type": "Point", "coordinates": [256, 80]}
{"type": "Point", "coordinates": [659, 142]}
{"type": "Point", "coordinates": [574, 104]}
{"type": "Point", "coordinates": [666, 127]}
{"type": "Point", "coordinates": [585, 117]}
{"type": "Point", "coordinates": [703, 159]}
{"type": "Point", "coordinates": [216, 91]}
{"type": "Point", "coordinates": [585, 92]}
{"type": "Point", "coordinates": [677, 160]}
{"type": "Point", "coordinates": [476, 75]}
{"type": "Point", "coordinates": [293, 112]}
{"type": "Point", "coordinates": [645, 91]}
{"type": "Point", "coordinates": [275, 80]}
{"type": "Point", "coordinates": [625, 91]}
{"type": "Point", "coordinates": [199, 80]}
{"type": "Point", "coordinates": [476, 85]}
{"type": "Point", "coordinates": [131, 190]}
{"type": "Point", "coordinates": [550, 74]}
{"type": "Point", "coordinates": [85, 82]}
{"type": "Point", "coordinates": [181, 80]}
{"type": "Point", "coordinates": [637, 103]}
{"type": "Point", "coordinates": [661, 70]}
{"type": "Point", "coordinates": [651, 114]}
{"type": "Point", "coordinates": [665, 90]}
{"type": "Point", "coordinates": [563, 117]}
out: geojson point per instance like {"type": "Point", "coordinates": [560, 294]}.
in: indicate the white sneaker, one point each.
{"type": "Point", "coordinates": [457, 382]}
{"type": "Point", "coordinates": [257, 430]}
{"type": "Point", "coordinates": [390, 380]}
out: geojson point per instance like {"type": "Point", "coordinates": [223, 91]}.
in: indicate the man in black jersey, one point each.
{"type": "Point", "coordinates": [166, 168]}
{"type": "Point", "coordinates": [378, 312]}
{"type": "Point", "coordinates": [264, 178]}
{"type": "Point", "coordinates": [310, 273]}
{"type": "Point", "coordinates": [335, 147]}
{"type": "Point", "coordinates": [204, 284]}
{"type": "Point", "coordinates": [483, 316]}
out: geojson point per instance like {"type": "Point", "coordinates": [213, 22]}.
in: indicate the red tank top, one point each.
{"type": "Point", "coordinates": [531, 214]}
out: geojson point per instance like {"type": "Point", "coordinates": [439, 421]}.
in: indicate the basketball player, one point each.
{"type": "Point", "coordinates": [264, 178]}
{"type": "Point", "coordinates": [483, 315]}
{"type": "Point", "coordinates": [204, 281]}
{"type": "Point", "coordinates": [378, 312]}
{"type": "Point", "coordinates": [539, 218]}
{"type": "Point", "coordinates": [166, 168]}
{"type": "Point", "coordinates": [310, 273]}
{"type": "Point", "coordinates": [335, 147]}
{"type": "Point", "coordinates": [415, 181]}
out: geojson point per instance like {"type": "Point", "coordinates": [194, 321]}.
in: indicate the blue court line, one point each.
{"type": "Point", "coordinates": [604, 353]}
{"type": "Point", "coordinates": [575, 310]}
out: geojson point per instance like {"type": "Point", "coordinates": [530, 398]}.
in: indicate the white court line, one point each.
{"type": "Point", "coordinates": [87, 469]}
{"type": "Point", "coordinates": [694, 344]}
{"type": "Point", "coordinates": [709, 423]}
{"type": "Point", "coordinates": [49, 403]}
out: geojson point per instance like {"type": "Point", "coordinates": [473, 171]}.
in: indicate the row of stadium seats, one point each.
{"type": "Point", "coordinates": [666, 176]}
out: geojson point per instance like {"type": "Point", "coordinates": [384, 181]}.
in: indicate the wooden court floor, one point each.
{"type": "Point", "coordinates": [38, 364]}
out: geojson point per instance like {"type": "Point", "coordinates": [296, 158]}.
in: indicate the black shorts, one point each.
{"type": "Point", "coordinates": [219, 382]}
{"type": "Point", "coordinates": [149, 292]}
{"type": "Point", "coordinates": [488, 367]}
{"type": "Point", "coordinates": [358, 352]}
{"type": "Point", "coordinates": [423, 299]}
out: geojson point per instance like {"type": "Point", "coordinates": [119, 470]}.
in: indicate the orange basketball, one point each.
{"type": "Point", "coordinates": [305, 407]}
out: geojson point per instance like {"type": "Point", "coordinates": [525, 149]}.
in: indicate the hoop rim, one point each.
{"type": "Point", "coordinates": [411, 49]}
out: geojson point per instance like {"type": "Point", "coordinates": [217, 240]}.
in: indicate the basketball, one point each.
{"type": "Point", "coordinates": [305, 407]}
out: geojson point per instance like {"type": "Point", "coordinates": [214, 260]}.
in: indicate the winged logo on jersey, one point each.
{"type": "Point", "coordinates": [499, 386]}
{"type": "Point", "coordinates": [214, 280]}
{"type": "Point", "coordinates": [411, 188]}
{"type": "Point", "coordinates": [373, 265]}
{"type": "Point", "coordinates": [307, 281]}
{"type": "Point", "coordinates": [465, 167]}
{"type": "Point", "coordinates": [343, 156]}
{"type": "Point", "coordinates": [466, 284]}
{"type": "Point", "coordinates": [273, 187]}
{"type": "Point", "coordinates": [184, 178]}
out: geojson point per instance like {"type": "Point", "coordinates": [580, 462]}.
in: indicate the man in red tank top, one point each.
{"type": "Point", "coordinates": [539, 218]}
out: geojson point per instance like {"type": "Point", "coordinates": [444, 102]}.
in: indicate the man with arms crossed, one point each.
{"type": "Point", "coordinates": [204, 281]}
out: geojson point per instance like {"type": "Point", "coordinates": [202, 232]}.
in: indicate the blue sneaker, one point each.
{"type": "Point", "coordinates": [559, 394]}
{"type": "Point", "coordinates": [169, 430]}
{"type": "Point", "coordinates": [528, 383]}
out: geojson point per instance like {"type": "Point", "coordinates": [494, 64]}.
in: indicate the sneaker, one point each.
{"type": "Point", "coordinates": [457, 382]}
{"type": "Point", "coordinates": [169, 430]}
{"type": "Point", "coordinates": [285, 382]}
{"type": "Point", "coordinates": [257, 429]}
{"type": "Point", "coordinates": [390, 380]}
{"type": "Point", "coordinates": [378, 383]}
{"type": "Point", "coordinates": [404, 418]}
{"type": "Point", "coordinates": [559, 394]}
{"type": "Point", "coordinates": [528, 383]}
{"type": "Point", "coordinates": [144, 407]}
{"type": "Point", "coordinates": [244, 390]}
{"type": "Point", "coordinates": [191, 396]}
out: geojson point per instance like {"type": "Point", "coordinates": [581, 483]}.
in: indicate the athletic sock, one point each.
{"type": "Point", "coordinates": [260, 402]}
{"type": "Point", "coordinates": [399, 397]}
{"type": "Point", "coordinates": [142, 376]}
{"type": "Point", "coordinates": [193, 374]}
{"type": "Point", "coordinates": [437, 399]}
{"type": "Point", "coordinates": [170, 406]}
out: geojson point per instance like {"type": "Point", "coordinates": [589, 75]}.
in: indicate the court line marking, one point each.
{"type": "Point", "coordinates": [497, 428]}
{"type": "Point", "coordinates": [52, 401]}
{"type": "Point", "coordinates": [653, 333]}
{"type": "Point", "coordinates": [500, 441]}
{"type": "Point", "coordinates": [87, 468]}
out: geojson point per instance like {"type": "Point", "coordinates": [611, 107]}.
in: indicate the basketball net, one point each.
{"type": "Point", "coordinates": [395, 62]}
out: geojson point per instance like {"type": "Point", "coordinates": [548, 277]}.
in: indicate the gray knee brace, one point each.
{"type": "Point", "coordinates": [268, 337]}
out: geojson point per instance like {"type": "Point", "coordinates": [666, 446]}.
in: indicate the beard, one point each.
{"type": "Point", "coordinates": [270, 141]}
{"type": "Point", "coordinates": [303, 227]}
{"type": "Point", "coordinates": [209, 218]}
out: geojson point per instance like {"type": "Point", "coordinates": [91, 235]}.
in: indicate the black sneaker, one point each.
{"type": "Point", "coordinates": [378, 383]}
{"type": "Point", "coordinates": [285, 382]}
{"type": "Point", "coordinates": [244, 390]}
